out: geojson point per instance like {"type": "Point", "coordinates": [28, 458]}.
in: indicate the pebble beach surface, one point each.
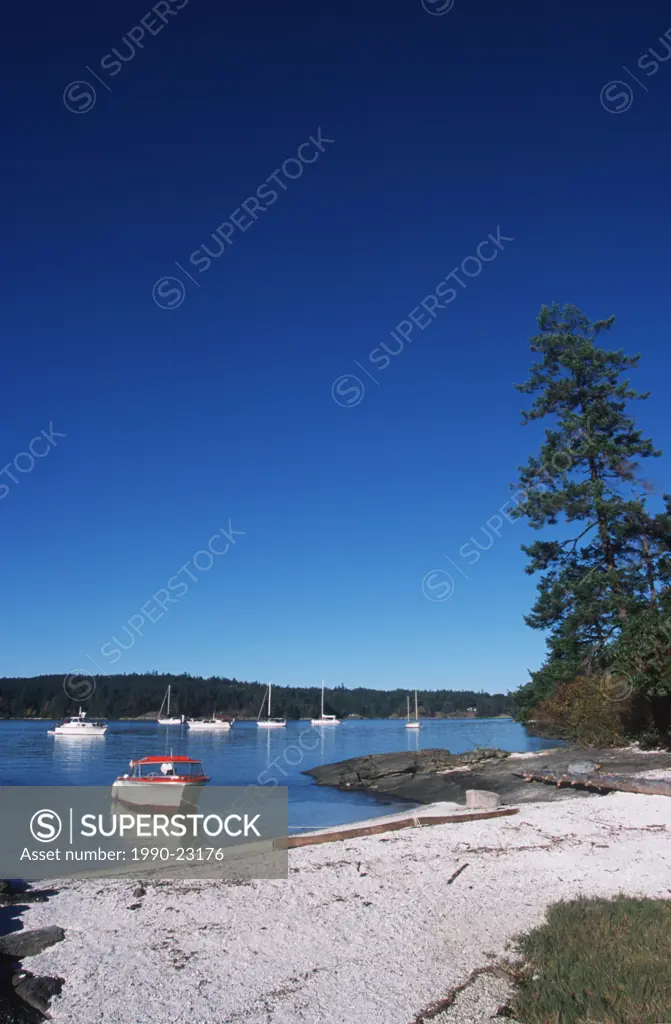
{"type": "Point", "coordinates": [364, 931]}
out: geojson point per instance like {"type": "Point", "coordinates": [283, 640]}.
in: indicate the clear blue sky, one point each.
{"type": "Point", "coordinates": [446, 127]}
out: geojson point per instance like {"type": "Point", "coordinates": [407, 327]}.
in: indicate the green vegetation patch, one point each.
{"type": "Point", "coordinates": [598, 960]}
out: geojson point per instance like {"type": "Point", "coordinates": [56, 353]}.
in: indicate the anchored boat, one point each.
{"type": "Point", "coordinates": [325, 719]}
{"type": "Point", "coordinates": [160, 781]}
{"type": "Point", "coordinates": [413, 723]}
{"type": "Point", "coordinates": [166, 719]}
{"type": "Point", "coordinates": [80, 725]}
{"type": "Point", "coordinates": [268, 722]}
{"type": "Point", "coordinates": [219, 724]}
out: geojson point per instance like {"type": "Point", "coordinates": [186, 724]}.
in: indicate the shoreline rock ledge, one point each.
{"type": "Point", "coordinates": [419, 775]}
{"type": "Point", "coordinates": [436, 775]}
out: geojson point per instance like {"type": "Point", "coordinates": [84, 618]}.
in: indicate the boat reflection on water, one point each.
{"type": "Point", "coordinates": [413, 736]}
{"type": "Point", "coordinates": [73, 752]}
{"type": "Point", "coordinates": [157, 839]}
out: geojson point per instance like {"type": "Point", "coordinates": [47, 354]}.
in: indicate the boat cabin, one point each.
{"type": "Point", "coordinates": [82, 721]}
{"type": "Point", "coordinates": [167, 767]}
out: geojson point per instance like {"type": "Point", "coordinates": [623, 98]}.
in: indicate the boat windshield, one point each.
{"type": "Point", "coordinates": [85, 723]}
{"type": "Point", "coordinates": [167, 769]}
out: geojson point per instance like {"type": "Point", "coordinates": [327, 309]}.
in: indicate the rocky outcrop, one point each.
{"type": "Point", "coordinates": [389, 772]}
{"type": "Point", "coordinates": [429, 776]}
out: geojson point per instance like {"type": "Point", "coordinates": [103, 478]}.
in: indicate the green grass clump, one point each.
{"type": "Point", "coordinates": [597, 961]}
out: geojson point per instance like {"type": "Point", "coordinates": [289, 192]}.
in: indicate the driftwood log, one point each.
{"type": "Point", "coordinates": [605, 783]}
{"type": "Point", "coordinates": [387, 826]}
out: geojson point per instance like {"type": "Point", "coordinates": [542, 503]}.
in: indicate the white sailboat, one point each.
{"type": "Point", "coordinates": [268, 722]}
{"type": "Point", "coordinates": [413, 723]}
{"type": "Point", "coordinates": [325, 719]}
{"type": "Point", "coordinates": [166, 719]}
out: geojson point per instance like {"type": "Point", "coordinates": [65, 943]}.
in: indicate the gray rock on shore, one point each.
{"type": "Point", "coordinates": [367, 772]}
{"type": "Point", "coordinates": [430, 776]}
{"type": "Point", "coordinates": [30, 942]}
{"type": "Point", "coordinates": [37, 992]}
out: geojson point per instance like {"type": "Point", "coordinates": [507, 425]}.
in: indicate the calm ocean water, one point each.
{"type": "Point", "coordinates": [248, 756]}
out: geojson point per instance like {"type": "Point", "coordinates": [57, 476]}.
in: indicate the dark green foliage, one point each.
{"type": "Point", "coordinates": [132, 696]}
{"type": "Point", "coordinates": [608, 567]}
{"type": "Point", "coordinates": [598, 961]}
{"type": "Point", "coordinates": [583, 710]}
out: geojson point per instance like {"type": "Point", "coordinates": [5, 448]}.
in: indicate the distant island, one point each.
{"type": "Point", "coordinates": [140, 695]}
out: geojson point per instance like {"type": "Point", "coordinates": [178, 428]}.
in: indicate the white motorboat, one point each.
{"type": "Point", "coordinates": [160, 781]}
{"type": "Point", "coordinates": [325, 719]}
{"type": "Point", "coordinates": [218, 724]}
{"type": "Point", "coordinates": [268, 722]}
{"type": "Point", "coordinates": [413, 723]}
{"type": "Point", "coordinates": [166, 719]}
{"type": "Point", "coordinates": [79, 725]}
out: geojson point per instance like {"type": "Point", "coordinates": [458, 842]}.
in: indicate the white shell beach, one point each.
{"type": "Point", "coordinates": [364, 931]}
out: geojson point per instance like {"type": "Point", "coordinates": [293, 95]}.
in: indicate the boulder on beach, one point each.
{"type": "Point", "coordinates": [38, 992]}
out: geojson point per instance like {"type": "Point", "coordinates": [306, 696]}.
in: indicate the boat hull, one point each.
{"type": "Point", "coordinates": [413, 725]}
{"type": "Point", "coordinates": [161, 793]}
{"type": "Point", "coordinates": [210, 726]}
{"type": "Point", "coordinates": [271, 725]}
{"type": "Point", "coordinates": [78, 730]}
{"type": "Point", "coordinates": [169, 721]}
{"type": "Point", "coordinates": [324, 721]}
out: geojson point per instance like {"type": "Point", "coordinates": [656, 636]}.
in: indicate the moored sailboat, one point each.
{"type": "Point", "coordinates": [166, 719]}
{"type": "Point", "coordinates": [325, 719]}
{"type": "Point", "coordinates": [413, 723]}
{"type": "Point", "coordinates": [268, 722]}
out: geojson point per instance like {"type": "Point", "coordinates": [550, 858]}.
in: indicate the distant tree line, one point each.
{"type": "Point", "coordinates": [137, 696]}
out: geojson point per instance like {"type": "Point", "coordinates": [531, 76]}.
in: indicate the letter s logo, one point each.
{"type": "Point", "coordinates": [45, 826]}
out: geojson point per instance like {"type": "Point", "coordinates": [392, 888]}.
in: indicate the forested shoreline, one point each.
{"type": "Point", "coordinates": [140, 696]}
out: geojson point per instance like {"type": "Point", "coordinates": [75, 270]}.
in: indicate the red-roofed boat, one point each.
{"type": "Point", "coordinates": [160, 781]}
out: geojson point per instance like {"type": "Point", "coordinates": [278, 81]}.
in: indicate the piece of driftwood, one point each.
{"type": "Point", "coordinates": [457, 873]}
{"type": "Point", "coordinates": [606, 783]}
{"type": "Point", "coordinates": [386, 826]}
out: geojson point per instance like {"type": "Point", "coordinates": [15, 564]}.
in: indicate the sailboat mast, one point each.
{"type": "Point", "coordinates": [322, 698]}
{"type": "Point", "coordinates": [168, 714]}
{"type": "Point", "coordinates": [263, 704]}
{"type": "Point", "coordinates": [269, 689]}
{"type": "Point", "coordinates": [407, 699]}
{"type": "Point", "coordinates": [416, 715]}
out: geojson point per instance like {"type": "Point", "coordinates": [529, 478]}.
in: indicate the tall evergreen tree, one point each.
{"type": "Point", "coordinates": [610, 559]}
